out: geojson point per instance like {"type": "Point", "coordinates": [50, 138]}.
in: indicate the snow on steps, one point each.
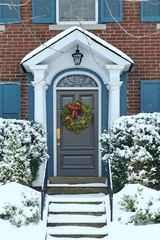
{"type": "Point", "coordinates": [78, 216]}
{"type": "Point", "coordinates": [76, 185]}
{"type": "Point", "coordinates": [68, 238]}
{"type": "Point", "coordinates": [76, 208]}
{"type": "Point", "coordinates": [77, 231]}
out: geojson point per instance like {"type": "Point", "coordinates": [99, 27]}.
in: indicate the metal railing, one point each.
{"type": "Point", "coordinates": [110, 188]}
{"type": "Point", "coordinates": [44, 188]}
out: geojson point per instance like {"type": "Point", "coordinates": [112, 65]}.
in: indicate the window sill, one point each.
{"type": "Point", "coordinates": [158, 26]}
{"type": "Point", "coordinates": [2, 28]}
{"type": "Point", "coordinates": [85, 26]}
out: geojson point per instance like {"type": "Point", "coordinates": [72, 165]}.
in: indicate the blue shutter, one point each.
{"type": "Point", "coordinates": [123, 95]}
{"type": "Point", "coordinates": [116, 8]}
{"type": "Point", "coordinates": [150, 11]}
{"type": "Point", "coordinates": [44, 11]}
{"type": "Point", "coordinates": [150, 96]}
{"type": "Point", "coordinates": [10, 100]}
{"type": "Point", "coordinates": [9, 14]}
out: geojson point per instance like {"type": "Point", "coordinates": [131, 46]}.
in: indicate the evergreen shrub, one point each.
{"type": "Point", "coordinates": [133, 146]}
{"type": "Point", "coordinates": [22, 150]}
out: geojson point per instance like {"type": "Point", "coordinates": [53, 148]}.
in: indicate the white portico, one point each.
{"type": "Point", "coordinates": [53, 61]}
{"type": "Point", "coordinates": [45, 61]}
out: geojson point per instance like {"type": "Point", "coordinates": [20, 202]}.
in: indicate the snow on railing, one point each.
{"type": "Point", "coordinates": [44, 187]}
{"type": "Point", "coordinates": [110, 188]}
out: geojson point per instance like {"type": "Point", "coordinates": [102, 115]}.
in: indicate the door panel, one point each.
{"type": "Point", "coordinates": [77, 154]}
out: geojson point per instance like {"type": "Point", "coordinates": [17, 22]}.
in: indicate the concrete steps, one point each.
{"type": "Point", "coordinates": [76, 185]}
{"type": "Point", "coordinates": [75, 216]}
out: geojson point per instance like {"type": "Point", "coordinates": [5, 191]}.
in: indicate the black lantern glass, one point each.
{"type": "Point", "coordinates": [77, 57]}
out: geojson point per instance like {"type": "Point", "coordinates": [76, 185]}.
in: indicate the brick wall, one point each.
{"type": "Point", "coordinates": [17, 41]}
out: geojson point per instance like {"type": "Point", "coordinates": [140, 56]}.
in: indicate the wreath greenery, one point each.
{"type": "Point", "coordinates": [76, 116]}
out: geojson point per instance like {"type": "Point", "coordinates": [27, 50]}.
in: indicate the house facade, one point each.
{"type": "Point", "coordinates": [118, 74]}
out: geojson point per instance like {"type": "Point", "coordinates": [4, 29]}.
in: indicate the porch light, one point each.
{"type": "Point", "coordinates": [77, 57]}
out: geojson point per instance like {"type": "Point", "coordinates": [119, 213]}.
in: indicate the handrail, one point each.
{"type": "Point", "coordinates": [44, 187]}
{"type": "Point", "coordinates": [110, 188]}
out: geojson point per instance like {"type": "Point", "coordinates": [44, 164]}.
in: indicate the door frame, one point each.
{"type": "Point", "coordinates": [55, 114]}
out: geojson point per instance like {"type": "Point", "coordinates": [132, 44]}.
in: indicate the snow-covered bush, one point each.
{"type": "Point", "coordinates": [22, 150]}
{"type": "Point", "coordinates": [133, 146]}
{"type": "Point", "coordinates": [24, 213]}
{"type": "Point", "coordinates": [14, 167]}
{"type": "Point", "coordinates": [142, 210]}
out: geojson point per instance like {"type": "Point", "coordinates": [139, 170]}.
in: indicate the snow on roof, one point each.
{"type": "Point", "coordinates": [70, 31]}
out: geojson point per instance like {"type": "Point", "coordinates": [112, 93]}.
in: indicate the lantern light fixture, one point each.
{"type": "Point", "coordinates": [77, 57]}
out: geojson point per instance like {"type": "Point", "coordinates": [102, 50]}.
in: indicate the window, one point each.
{"type": "Point", "coordinates": [77, 10]}
{"type": "Point", "coordinates": [150, 11]}
{"type": "Point", "coordinates": [9, 14]}
{"type": "Point", "coordinates": [73, 11]}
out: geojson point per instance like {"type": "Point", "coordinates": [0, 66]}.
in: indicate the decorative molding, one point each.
{"type": "Point", "coordinates": [39, 72]}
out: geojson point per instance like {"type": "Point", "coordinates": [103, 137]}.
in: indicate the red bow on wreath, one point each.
{"type": "Point", "coordinates": [74, 108]}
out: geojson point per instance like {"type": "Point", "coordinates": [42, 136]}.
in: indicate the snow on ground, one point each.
{"type": "Point", "coordinates": [12, 193]}
{"type": "Point", "coordinates": [36, 231]}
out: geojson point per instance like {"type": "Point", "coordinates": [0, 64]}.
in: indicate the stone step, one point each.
{"type": "Point", "coordinates": [61, 218]}
{"type": "Point", "coordinates": [77, 216]}
{"type": "Point", "coordinates": [79, 198]}
{"type": "Point", "coordinates": [76, 180]}
{"type": "Point", "coordinates": [55, 190]}
{"type": "Point", "coordinates": [98, 225]}
{"type": "Point", "coordinates": [77, 231]}
{"type": "Point", "coordinates": [76, 220]}
{"type": "Point", "coordinates": [53, 208]}
{"type": "Point", "coordinates": [81, 238]}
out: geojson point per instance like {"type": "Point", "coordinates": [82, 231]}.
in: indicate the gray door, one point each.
{"type": "Point", "coordinates": [77, 154]}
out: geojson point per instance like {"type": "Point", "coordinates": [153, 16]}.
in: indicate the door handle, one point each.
{"type": "Point", "coordinates": [58, 136]}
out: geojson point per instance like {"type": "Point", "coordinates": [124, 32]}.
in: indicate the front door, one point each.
{"type": "Point", "coordinates": [77, 154]}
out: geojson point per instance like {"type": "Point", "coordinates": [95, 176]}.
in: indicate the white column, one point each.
{"type": "Point", "coordinates": [113, 85]}
{"type": "Point", "coordinates": [39, 83]}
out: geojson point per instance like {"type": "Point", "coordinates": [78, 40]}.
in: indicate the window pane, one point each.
{"type": "Point", "coordinates": [7, 12]}
{"type": "Point", "coordinates": [89, 10]}
{"type": "Point", "coordinates": [64, 10]}
{"type": "Point", "coordinates": [74, 10]}
{"type": "Point", "coordinates": [77, 10]}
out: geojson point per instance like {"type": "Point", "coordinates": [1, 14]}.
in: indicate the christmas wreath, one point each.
{"type": "Point", "coordinates": [76, 116]}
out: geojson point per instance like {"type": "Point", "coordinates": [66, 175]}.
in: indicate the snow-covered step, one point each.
{"type": "Point", "coordinates": [76, 180]}
{"type": "Point", "coordinates": [68, 238]}
{"type": "Point", "coordinates": [77, 216]}
{"type": "Point", "coordinates": [54, 207]}
{"type": "Point", "coordinates": [76, 185]}
{"type": "Point", "coordinates": [98, 197]}
{"type": "Point", "coordinates": [77, 231]}
{"type": "Point", "coordinates": [61, 218]}
{"type": "Point", "coordinates": [89, 185]}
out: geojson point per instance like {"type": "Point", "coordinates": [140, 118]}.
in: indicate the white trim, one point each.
{"type": "Point", "coordinates": [76, 22]}
{"type": "Point", "coordinates": [55, 111]}
{"type": "Point", "coordinates": [55, 27]}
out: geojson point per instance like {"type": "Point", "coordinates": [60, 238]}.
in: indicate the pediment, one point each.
{"type": "Point", "coordinates": [63, 45]}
